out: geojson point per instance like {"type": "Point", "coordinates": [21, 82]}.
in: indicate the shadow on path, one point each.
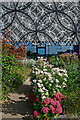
{"type": "Point", "coordinates": [19, 106]}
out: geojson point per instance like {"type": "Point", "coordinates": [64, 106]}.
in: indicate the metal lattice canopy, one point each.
{"type": "Point", "coordinates": [55, 23]}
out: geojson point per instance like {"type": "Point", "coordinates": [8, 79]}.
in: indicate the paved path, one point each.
{"type": "Point", "coordinates": [18, 106]}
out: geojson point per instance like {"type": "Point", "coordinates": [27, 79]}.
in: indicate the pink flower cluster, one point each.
{"type": "Point", "coordinates": [45, 109]}
{"type": "Point", "coordinates": [52, 104]}
{"type": "Point", "coordinates": [55, 106]}
{"type": "Point", "coordinates": [36, 114]}
{"type": "Point", "coordinates": [58, 96]}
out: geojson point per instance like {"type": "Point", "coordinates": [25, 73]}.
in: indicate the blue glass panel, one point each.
{"type": "Point", "coordinates": [41, 51]}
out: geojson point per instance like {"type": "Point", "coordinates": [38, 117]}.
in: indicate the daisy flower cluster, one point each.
{"type": "Point", "coordinates": [47, 80]}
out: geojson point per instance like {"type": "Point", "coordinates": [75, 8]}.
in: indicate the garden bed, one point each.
{"type": "Point", "coordinates": [53, 88]}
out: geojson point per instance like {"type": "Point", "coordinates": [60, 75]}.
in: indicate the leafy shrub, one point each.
{"type": "Point", "coordinates": [63, 60]}
{"type": "Point", "coordinates": [10, 78]}
{"type": "Point", "coordinates": [20, 52]}
{"type": "Point", "coordinates": [72, 103]}
{"type": "Point", "coordinates": [73, 77]}
{"type": "Point", "coordinates": [8, 48]}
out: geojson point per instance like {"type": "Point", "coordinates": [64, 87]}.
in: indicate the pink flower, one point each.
{"type": "Point", "coordinates": [52, 102]}
{"type": "Point", "coordinates": [56, 103]}
{"type": "Point", "coordinates": [58, 96]}
{"type": "Point", "coordinates": [75, 53]}
{"type": "Point", "coordinates": [45, 109]}
{"type": "Point", "coordinates": [47, 101]}
{"type": "Point", "coordinates": [59, 109]}
{"type": "Point", "coordinates": [52, 108]}
{"type": "Point", "coordinates": [50, 99]}
{"type": "Point", "coordinates": [59, 99]}
{"type": "Point", "coordinates": [36, 114]}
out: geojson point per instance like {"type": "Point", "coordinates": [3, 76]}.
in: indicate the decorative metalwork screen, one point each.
{"type": "Point", "coordinates": [54, 22]}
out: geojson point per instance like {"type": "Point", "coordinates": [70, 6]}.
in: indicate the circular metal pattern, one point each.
{"type": "Point", "coordinates": [36, 22]}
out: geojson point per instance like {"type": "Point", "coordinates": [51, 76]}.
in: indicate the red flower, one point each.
{"type": "Point", "coordinates": [52, 108]}
{"type": "Point", "coordinates": [46, 101]}
{"type": "Point", "coordinates": [45, 109]}
{"type": "Point", "coordinates": [47, 60]}
{"type": "Point", "coordinates": [36, 114]}
{"type": "Point", "coordinates": [33, 98]}
{"type": "Point", "coordinates": [59, 109]}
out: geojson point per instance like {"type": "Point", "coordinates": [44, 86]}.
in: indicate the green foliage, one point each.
{"type": "Point", "coordinates": [73, 77]}
{"type": "Point", "coordinates": [63, 60]}
{"type": "Point", "coordinates": [72, 103]}
{"type": "Point", "coordinates": [13, 71]}
{"type": "Point", "coordinates": [10, 78]}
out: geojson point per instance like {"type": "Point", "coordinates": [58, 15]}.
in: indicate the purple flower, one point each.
{"type": "Point", "coordinates": [76, 60]}
{"type": "Point", "coordinates": [75, 53]}
{"type": "Point", "coordinates": [63, 63]}
{"type": "Point", "coordinates": [66, 53]}
{"type": "Point", "coordinates": [14, 78]}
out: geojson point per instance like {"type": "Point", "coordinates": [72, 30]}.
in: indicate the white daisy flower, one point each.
{"type": "Point", "coordinates": [46, 93]}
{"type": "Point", "coordinates": [51, 81]}
{"type": "Point", "coordinates": [44, 69]}
{"type": "Point", "coordinates": [34, 81]}
{"type": "Point", "coordinates": [41, 85]}
{"type": "Point", "coordinates": [41, 71]}
{"type": "Point", "coordinates": [38, 84]}
{"type": "Point", "coordinates": [57, 80]}
{"type": "Point", "coordinates": [66, 75]}
{"type": "Point", "coordinates": [65, 79]}
{"type": "Point", "coordinates": [40, 81]}
{"type": "Point", "coordinates": [43, 88]}
{"type": "Point", "coordinates": [50, 84]}
{"type": "Point", "coordinates": [43, 97]}
{"type": "Point", "coordinates": [40, 90]}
